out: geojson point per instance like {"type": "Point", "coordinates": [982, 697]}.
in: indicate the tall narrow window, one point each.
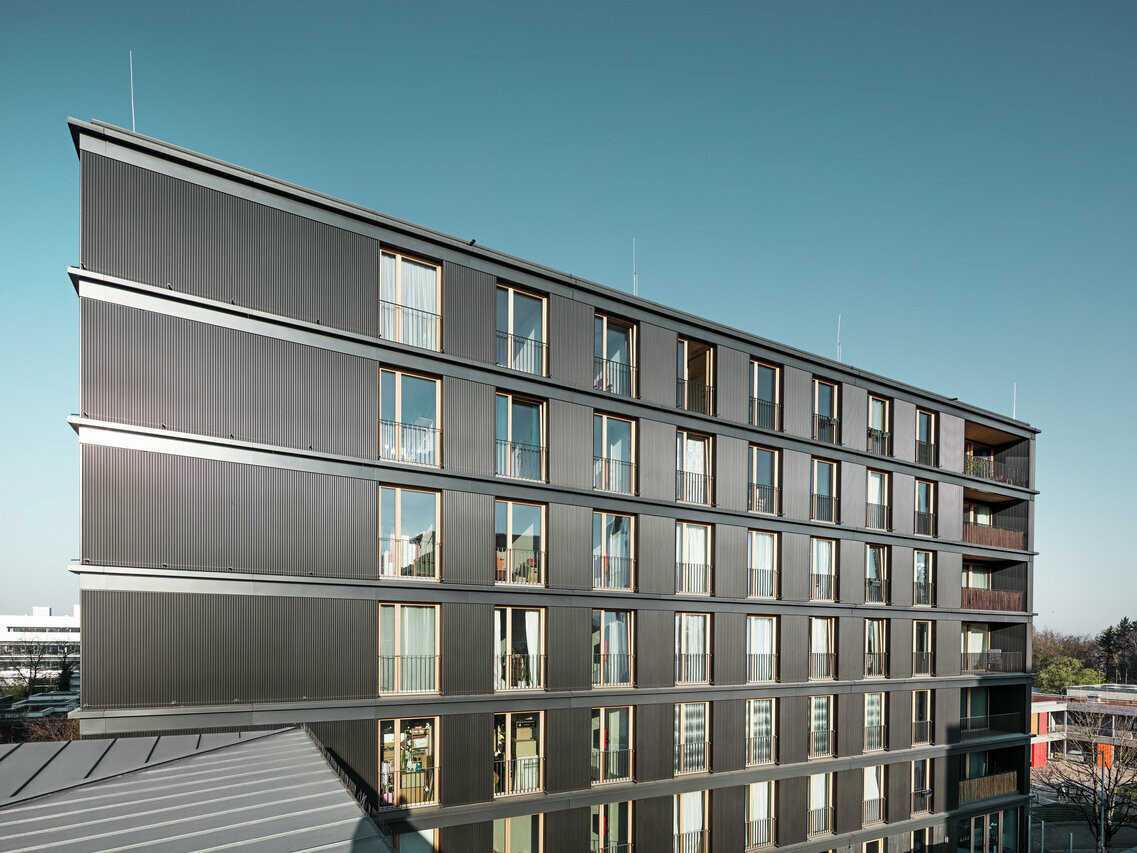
{"type": "Point", "coordinates": [520, 639]}
{"type": "Point", "coordinates": [613, 356]}
{"type": "Point", "coordinates": [408, 533]}
{"type": "Point", "coordinates": [613, 557]}
{"type": "Point", "coordinates": [518, 749]}
{"type": "Point", "coordinates": [826, 424]}
{"type": "Point", "coordinates": [976, 576]}
{"type": "Point", "coordinates": [876, 648]}
{"type": "Point", "coordinates": [879, 437]}
{"type": "Point", "coordinates": [876, 574]}
{"type": "Point", "coordinates": [924, 578]}
{"type": "Point", "coordinates": [820, 803]}
{"type": "Point", "coordinates": [874, 795]}
{"type": "Point", "coordinates": [408, 762]}
{"type": "Point", "coordinates": [520, 440]}
{"type": "Point", "coordinates": [765, 396]}
{"type": "Point", "coordinates": [824, 504]}
{"type": "Point", "coordinates": [613, 454]}
{"type": "Point", "coordinates": [695, 385]}
{"type": "Point", "coordinates": [760, 815]}
{"type": "Point", "coordinates": [762, 559]}
{"type": "Point", "coordinates": [975, 638]}
{"type": "Point", "coordinates": [692, 468]}
{"type": "Point", "coordinates": [925, 508]}
{"type": "Point", "coordinates": [974, 710]}
{"type": "Point", "coordinates": [520, 330]}
{"type": "Point", "coordinates": [689, 815]}
{"type": "Point", "coordinates": [874, 722]}
{"type": "Point", "coordinates": [921, 785]}
{"type": "Point", "coordinates": [408, 648]}
{"type": "Point", "coordinates": [519, 539]}
{"type": "Point", "coordinates": [691, 742]}
{"type": "Point", "coordinates": [764, 493]}
{"type": "Point", "coordinates": [921, 647]}
{"type": "Point", "coordinates": [925, 437]}
{"type": "Point", "coordinates": [823, 570]}
{"type": "Point", "coordinates": [408, 300]}
{"type": "Point", "coordinates": [524, 834]}
{"type": "Point", "coordinates": [612, 744]}
{"type": "Point", "coordinates": [759, 731]}
{"type": "Point", "coordinates": [761, 640]}
{"type": "Point", "coordinates": [822, 660]}
{"type": "Point", "coordinates": [921, 838]}
{"type": "Point", "coordinates": [612, 648]}
{"type": "Point", "coordinates": [692, 644]}
{"type": "Point", "coordinates": [692, 558]}
{"type": "Point", "coordinates": [820, 726]}
{"type": "Point", "coordinates": [921, 716]}
{"type": "Point", "coordinates": [408, 418]}
{"type": "Point", "coordinates": [611, 828]}
{"type": "Point", "coordinates": [878, 515]}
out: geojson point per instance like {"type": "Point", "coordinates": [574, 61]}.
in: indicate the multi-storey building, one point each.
{"type": "Point", "coordinates": [38, 645]}
{"type": "Point", "coordinates": [544, 565]}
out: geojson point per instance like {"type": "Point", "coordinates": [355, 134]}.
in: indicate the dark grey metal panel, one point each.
{"type": "Point", "coordinates": [730, 561]}
{"type": "Point", "coordinates": [566, 830]}
{"type": "Point", "coordinates": [657, 364]}
{"type": "Point", "coordinates": [729, 637]}
{"type": "Point", "coordinates": [468, 325]}
{"type": "Point", "coordinates": [657, 460]}
{"type": "Point", "coordinates": [797, 404]}
{"type": "Point", "coordinates": [731, 473]}
{"type": "Point", "coordinates": [903, 503]}
{"type": "Point", "coordinates": [570, 444]}
{"type": "Point", "coordinates": [792, 810]}
{"type": "Point", "coordinates": [851, 572]}
{"type": "Point", "coordinates": [732, 385]}
{"type": "Point", "coordinates": [793, 728]}
{"type": "Point", "coordinates": [947, 647]}
{"type": "Point", "coordinates": [1009, 638]}
{"type": "Point", "coordinates": [164, 511]}
{"type": "Point", "coordinates": [898, 784]}
{"type": "Point", "coordinates": [949, 578]}
{"type": "Point", "coordinates": [793, 648]}
{"type": "Point", "coordinates": [143, 648]}
{"type": "Point", "coordinates": [848, 799]}
{"type": "Point", "coordinates": [728, 724]}
{"type": "Point", "coordinates": [570, 547]}
{"type": "Point", "coordinates": [850, 724]}
{"type": "Point", "coordinates": [904, 430]}
{"type": "Point", "coordinates": [570, 340]}
{"type": "Point", "coordinates": [900, 648]}
{"type": "Point", "coordinates": [354, 744]}
{"type": "Point", "coordinates": [945, 716]}
{"type": "Point", "coordinates": [950, 511]}
{"type": "Point", "coordinates": [943, 779]}
{"type": "Point", "coordinates": [794, 548]}
{"type": "Point", "coordinates": [467, 752]}
{"type": "Point", "coordinates": [854, 416]}
{"type": "Point", "coordinates": [467, 552]}
{"type": "Point", "coordinates": [570, 648]}
{"type": "Point", "coordinates": [137, 224]}
{"type": "Point", "coordinates": [728, 810]}
{"type": "Point", "coordinates": [655, 648]}
{"type": "Point", "coordinates": [854, 493]}
{"type": "Point", "coordinates": [655, 568]}
{"type": "Point", "coordinates": [901, 575]}
{"type": "Point", "coordinates": [655, 736]}
{"type": "Point", "coordinates": [796, 484]}
{"type": "Point", "coordinates": [851, 648]}
{"type": "Point", "coordinates": [467, 648]}
{"type": "Point", "coordinates": [568, 735]}
{"type": "Point", "coordinates": [468, 435]}
{"type": "Point", "coordinates": [155, 370]}
{"type": "Point", "coordinates": [899, 720]}
{"type": "Point", "coordinates": [655, 823]}
{"type": "Point", "coordinates": [466, 837]}
{"type": "Point", "coordinates": [951, 442]}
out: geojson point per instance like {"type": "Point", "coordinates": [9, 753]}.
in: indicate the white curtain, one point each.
{"type": "Point", "coordinates": [417, 671]}
{"type": "Point", "coordinates": [533, 631]}
{"type": "Point", "coordinates": [696, 634]}
{"type": "Point", "coordinates": [819, 791]}
{"type": "Point", "coordinates": [874, 709]}
{"type": "Point", "coordinates": [876, 488]}
{"type": "Point", "coordinates": [819, 629]}
{"type": "Point", "coordinates": [616, 646]}
{"type": "Point", "coordinates": [873, 782]}
{"type": "Point", "coordinates": [689, 814]}
{"type": "Point", "coordinates": [822, 557]}
{"type": "Point", "coordinates": [759, 800]}
{"type": "Point", "coordinates": [820, 722]}
{"type": "Point", "coordinates": [761, 635]}
{"type": "Point", "coordinates": [762, 552]}
{"type": "Point", "coordinates": [874, 636]}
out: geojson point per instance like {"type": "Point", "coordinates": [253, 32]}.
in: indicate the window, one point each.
{"type": "Point", "coordinates": [974, 709]}
{"type": "Point", "coordinates": [695, 386]}
{"type": "Point", "coordinates": [692, 641]}
{"type": "Point", "coordinates": [762, 559]}
{"type": "Point", "coordinates": [976, 576]}
{"type": "Point", "coordinates": [875, 846]}
{"type": "Point", "coordinates": [876, 574]}
{"type": "Point", "coordinates": [519, 541]}
{"type": "Point", "coordinates": [408, 648]}
{"type": "Point", "coordinates": [692, 558]}
{"type": "Point", "coordinates": [879, 438]}
{"type": "Point", "coordinates": [977, 513]}
{"type": "Point", "coordinates": [925, 508]}
{"type": "Point", "coordinates": [975, 639]}
{"type": "Point", "coordinates": [613, 454]}
{"type": "Point", "coordinates": [518, 749]}
{"type": "Point", "coordinates": [523, 834]}
{"type": "Point", "coordinates": [409, 297]}
{"type": "Point", "coordinates": [823, 570]}
{"type": "Point", "coordinates": [612, 744]}
{"type": "Point", "coordinates": [874, 795]}
{"type": "Point", "coordinates": [925, 437]}
{"type": "Point", "coordinates": [820, 726]}
{"type": "Point", "coordinates": [408, 418]}
{"type": "Point", "coordinates": [989, 833]}
{"type": "Point", "coordinates": [877, 515]}
{"type": "Point", "coordinates": [922, 840]}
{"type": "Point", "coordinates": [520, 443]}
{"type": "Point", "coordinates": [876, 648]}
{"type": "Point", "coordinates": [822, 660]}
{"type": "Point", "coordinates": [761, 661]}
{"type": "Point", "coordinates": [921, 716]}
{"type": "Point", "coordinates": [764, 493]}
{"type": "Point", "coordinates": [759, 731]}
{"type": "Point", "coordinates": [417, 841]}
{"type": "Point", "coordinates": [826, 424]}
{"type": "Point", "coordinates": [692, 467]}
{"type": "Point", "coordinates": [691, 742]}
{"type": "Point", "coordinates": [407, 762]}
{"type": "Point", "coordinates": [820, 803]}
{"type": "Point", "coordinates": [973, 765]}
{"type": "Point", "coordinates": [921, 648]}
{"type": "Point", "coordinates": [613, 557]}
{"type": "Point", "coordinates": [612, 647]}
{"type": "Point", "coordinates": [613, 356]}
{"type": "Point", "coordinates": [875, 730]}
{"type": "Point", "coordinates": [824, 495]}
{"type": "Point", "coordinates": [924, 578]}
{"type": "Point", "coordinates": [760, 815]}
{"type": "Point", "coordinates": [690, 821]}
{"type": "Point", "coordinates": [921, 785]}
{"type": "Point", "coordinates": [765, 396]}
{"type": "Point", "coordinates": [408, 533]}
{"type": "Point", "coordinates": [520, 648]}
{"type": "Point", "coordinates": [611, 828]}
{"type": "Point", "coordinates": [520, 330]}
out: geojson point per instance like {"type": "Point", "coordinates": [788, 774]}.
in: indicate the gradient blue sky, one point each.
{"type": "Point", "coordinates": [953, 178]}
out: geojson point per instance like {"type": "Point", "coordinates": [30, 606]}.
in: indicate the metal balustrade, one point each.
{"type": "Point", "coordinates": [921, 731]}
{"type": "Point", "coordinates": [615, 377]}
{"type": "Point", "coordinates": [1011, 473]}
{"type": "Point", "coordinates": [987, 725]}
{"type": "Point", "coordinates": [874, 590]}
{"type": "Point", "coordinates": [611, 765]}
{"type": "Point", "coordinates": [692, 756]}
{"type": "Point", "coordinates": [926, 453]}
{"type": "Point", "coordinates": [411, 326]}
{"type": "Point", "coordinates": [405, 788]}
{"type": "Point", "coordinates": [761, 750]}
{"type": "Point", "coordinates": [691, 668]}
{"type": "Point", "coordinates": [610, 572]}
{"type": "Point", "coordinates": [921, 802]}
{"type": "Point", "coordinates": [826, 429]}
{"type": "Point", "coordinates": [523, 354]}
{"type": "Point", "coordinates": [820, 820]}
{"type": "Point", "coordinates": [612, 669]}
{"type": "Point", "coordinates": [761, 667]}
{"type": "Point", "coordinates": [924, 523]}
{"type": "Point", "coordinates": [517, 775]}
{"type": "Point", "coordinates": [822, 587]}
{"type": "Point", "coordinates": [417, 444]}
{"type": "Point", "coordinates": [759, 833]}
{"type": "Point", "coordinates": [822, 665]}
{"type": "Point", "coordinates": [763, 583]}
{"type": "Point", "coordinates": [520, 566]}
{"type": "Point", "coordinates": [408, 673]}
{"type": "Point", "coordinates": [924, 593]}
{"type": "Point", "coordinates": [692, 487]}
{"type": "Point", "coordinates": [824, 508]}
{"type": "Point", "coordinates": [879, 442]}
{"type": "Point", "coordinates": [693, 578]}
{"type": "Point", "coordinates": [765, 499]}
{"type": "Point", "coordinates": [520, 672]}
{"type": "Point", "coordinates": [876, 664]}
{"type": "Point", "coordinates": [765, 414]}
{"type": "Point", "coordinates": [922, 663]}
{"type": "Point", "coordinates": [873, 811]}
{"type": "Point", "coordinates": [878, 516]}
{"type": "Point", "coordinates": [695, 841]}
{"type": "Point", "coordinates": [613, 475]}
{"type": "Point", "coordinates": [992, 661]}
{"type": "Point", "coordinates": [821, 743]}
{"type": "Point", "coordinates": [523, 461]}
{"type": "Point", "coordinates": [408, 557]}
{"type": "Point", "coordinates": [695, 396]}
{"type": "Point", "coordinates": [876, 738]}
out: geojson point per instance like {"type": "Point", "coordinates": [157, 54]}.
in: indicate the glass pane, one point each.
{"type": "Point", "coordinates": [388, 382]}
{"type": "Point", "coordinates": [876, 488]}
{"type": "Point", "coordinates": [765, 383]}
{"type": "Point", "coordinates": [823, 477]}
{"type": "Point", "coordinates": [526, 424]}
{"type": "Point", "coordinates": [825, 400]}
{"type": "Point", "coordinates": [763, 467]}
{"type": "Point", "coordinates": [386, 513]}
{"type": "Point", "coordinates": [762, 552]}
{"type": "Point", "coordinates": [502, 418]}
{"type": "Point", "coordinates": [419, 399]}
{"type": "Point", "coordinates": [598, 435]}
{"type": "Point", "coordinates": [528, 321]}
{"type": "Point", "coordinates": [503, 310]}
{"type": "Point", "coordinates": [619, 343]}
{"type": "Point", "coordinates": [418, 517]}
{"type": "Point", "coordinates": [619, 445]}
{"type": "Point", "coordinates": [923, 427]}
{"type": "Point", "coordinates": [876, 414]}
{"type": "Point", "coordinates": [526, 528]}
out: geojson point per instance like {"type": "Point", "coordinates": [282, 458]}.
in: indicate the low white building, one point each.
{"type": "Point", "coordinates": [41, 634]}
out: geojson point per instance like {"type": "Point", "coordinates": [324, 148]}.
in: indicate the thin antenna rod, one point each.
{"type": "Point", "coordinates": [838, 337]}
{"type": "Point", "coordinates": [635, 275]}
{"type": "Point", "coordinates": [1014, 399]}
{"type": "Point", "coordinates": [132, 90]}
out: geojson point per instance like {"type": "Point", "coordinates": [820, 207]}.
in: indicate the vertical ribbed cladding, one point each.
{"type": "Point", "coordinates": [728, 725]}
{"type": "Point", "coordinates": [1011, 638]}
{"type": "Point", "coordinates": [657, 364]}
{"type": "Point", "coordinates": [467, 648]}
{"type": "Point", "coordinates": [355, 746]}
{"type": "Point", "coordinates": [570, 444]}
{"type": "Point", "coordinates": [729, 561]}
{"type": "Point", "coordinates": [143, 648]}
{"type": "Point", "coordinates": [904, 503]}
{"type": "Point", "coordinates": [949, 442]}
{"type": "Point", "coordinates": [466, 837]}
{"type": "Point", "coordinates": [468, 322]}
{"type": "Point", "coordinates": [655, 566]}
{"type": "Point", "coordinates": [728, 636]}
{"type": "Point", "coordinates": [848, 799]}
{"type": "Point", "coordinates": [137, 224]}
{"type": "Point", "coordinates": [851, 572]}
{"type": "Point", "coordinates": [732, 384]}
{"type": "Point", "coordinates": [793, 647]}
{"type": "Point", "coordinates": [796, 484]}
{"type": "Point", "coordinates": [467, 433]}
{"type": "Point", "coordinates": [949, 512]}
{"type": "Point", "coordinates": [898, 785]}
{"type": "Point", "coordinates": [901, 575]}
{"type": "Point", "coordinates": [947, 647]}
{"type": "Point", "coordinates": [570, 547]}
{"type": "Point", "coordinates": [163, 511]}
{"type": "Point", "coordinates": [899, 648]}
{"type": "Point", "coordinates": [657, 460]}
{"type": "Point", "coordinates": [566, 831]}
{"type": "Point", "coordinates": [654, 734]}
{"type": "Point", "coordinates": [654, 824]}
{"type": "Point", "coordinates": [904, 430]}
{"type": "Point", "coordinates": [568, 750]}
{"type": "Point", "coordinates": [853, 487]}
{"type": "Point", "coordinates": [850, 723]}
{"type": "Point", "coordinates": [151, 369]}
{"type": "Point", "coordinates": [797, 404]}
{"type": "Point", "coordinates": [728, 814]}
{"type": "Point", "coordinates": [943, 798]}
{"type": "Point", "coordinates": [732, 474]}
{"type": "Point", "coordinates": [792, 808]}
{"type": "Point", "coordinates": [467, 538]}
{"type": "Point", "coordinates": [569, 660]}
{"type": "Point", "coordinates": [850, 648]}
{"type": "Point", "coordinates": [570, 340]}
{"type": "Point", "coordinates": [655, 648]}
{"type": "Point", "coordinates": [854, 416]}
{"type": "Point", "coordinates": [793, 723]}
{"type": "Point", "coordinates": [467, 753]}
{"type": "Point", "coordinates": [948, 579]}
{"type": "Point", "coordinates": [794, 566]}
{"type": "Point", "coordinates": [899, 719]}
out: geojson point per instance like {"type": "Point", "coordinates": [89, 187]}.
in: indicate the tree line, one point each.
{"type": "Point", "coordinates": [1067, 660]}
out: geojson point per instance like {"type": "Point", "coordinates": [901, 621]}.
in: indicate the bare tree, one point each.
{"type": "Point", "coordinates": [30, 661]}
{"type": "Point", "coordinates": [1102, 738]}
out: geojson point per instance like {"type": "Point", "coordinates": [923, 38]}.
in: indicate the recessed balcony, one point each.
{"type": "Point", "coordinates": [993, 785]}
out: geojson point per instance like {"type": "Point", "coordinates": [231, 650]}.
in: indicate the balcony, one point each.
{"type": "Point", "coordinates": [693, 579]}
{"type": "Point", "coordinates": [611, 765]}
{"type": "Point", "coordinates": [520, 672]}
{"type": "Point", "coordinates": [613, 573]}
{"type": "Point", "coordinates": [821, 743]}
{"type": "Point", "coordinates": [517, 775]}
{"type": "Point", "coordinates": [993, 599]}
{"type": "Point", "coordinates": [874, 591]}
{"type": "Point", "coordinates": [926, 453]}
{"type": "Point", "coordinates": [765, 414]}
{"type": "Point", "coordinates": [921, 732]}
{"type": "Point", "coordinates": [823, 508]}
{"type": "Point", "coordinates": [408, 673]}
{"type": "Point", "coordinates": [613, 475]}
{"type": "Point", "coordinates": [923, 663]}
{"type": "Point", "coordinates": [763, 583]}
{"type": "Point", "coordinates": [878, 516]}
{"type": "Point", "coordinates": [520, 566]}
{"type": "Point", "coordinates": [822, 587]}
{"type": "Point", "coordinates": [995, 785]}
{"type": "Point", "coordinates": [876, 738]}
{"type": "Point", "coordinates": [525, 355]}
{"type": "Point", "coordinates": [879, 442]}
{"type": "Point", "coordinates": [409, 558]}
{"type": "Point", "coordinates": [992, 661]}
{"type": "Point", "coordinates": [821, 820]}
{"type": "Point", "coordinates": [1012, 472]}
{"type": "Point", "coordinates": [691, 757]}
{"type": "Point", "coordinates": [417, 444]}
{"type": "Point", "coordinates": [924, 593]}
{"type": "Point", "coordinates": [761, 750]}
{"type": "Point", "coordinates": [760, 833]}
{"type": "Point", "coordinates": [761, 667]}
{"type": "Point", "coordinates": [615, 377]}
{"type": "Point", "coordinates": [523, 461]}
{"type": "Point", "coordinates": [411, 326]}
{"type": "Point", "coordinates": [695, 396]}
{"type": "Point", "coordinates": [692, 668]}
{"type": "Point", "coordinates": [407, 788]}
{"type": "Point", "coordinates": [989, 725]}
{"type": "Point", "coordinates": [873, 811]}
{"type": "Point", "coordinates": [921, 802]}
{"type": "Point", "coordinates": [826, 429]}
{"type": "Point", "coordinates": [924, 523]}
{"type": "Point", "coordinates": [695, 841]}
{"type": "Point", "coordinates": [764, 499]}
{"type": "Point", "coordinates": [822, 665]}
{"type": "Point", "coordinates": [612, 670]}
{"type": "Point", "coordinates": [876, 664]}
{"type": "Point", "coordinates": [692, 487]}
{"type": "Point", "coordinates": [993, 536]}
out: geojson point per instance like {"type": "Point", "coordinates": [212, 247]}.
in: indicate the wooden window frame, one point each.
{"type": "Point", "coordinates": [512, 290]}
{"type": "Point", "coordinates": [836, 386]}
{"type": "Point", "coordinates": [681, 530]}
{"type": "Point", "coordinates": [540, 823]}
{"type": "Point", "coordinates": [398, 649]}
{"type": "Point", "coordinates": [543, 415]}
{"type": "Point", "coordinates": [833, 467]}
{"type": "Point", "coordinates": [400, 257]}
{"type": "Point", "coordinates": [751, 538]}
{"type": "Point", "coordinates": [398, 524]}
{"type": "Point", "coordinates": [604, 711]}
{"type": "Point", "coordinates": [751, 618]}
{"type": "Point", "coordinates": [887, 412]}
{"type": "Point", "coordinates": [633, 345]}
{"type": "Point", "coordinates": [631, 541]}
{"type": "Point", "coordinates": [631, 644]}
{"type": "Point", "coordinates": [507, 752]}
{"type": "Point", "coordinates": [436, 748]}
{"type": "Point", "coordinates": [509, 505]}
{"type": "Point", "coordinates": [602, 835]}
{"type": "Point", "coordinates": [396, 416]}
{"type": "Point", "coordinates": [755, 363]}
{"type": "Point", "coordinates": [681, 640]}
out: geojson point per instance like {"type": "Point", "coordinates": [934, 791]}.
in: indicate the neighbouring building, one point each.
{"type": "Point", "coordinates": [545, 566]}
{"type": "Point", "coordinates": [38, 642]}
{"type": "Point", "coordinates": [1087, 719]}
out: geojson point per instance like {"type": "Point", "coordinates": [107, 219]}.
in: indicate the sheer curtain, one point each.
{"type": "Point", "coordinates": [696, 629]}
{"type": "Point", "coordinates": [616, 646]}
{"type": "Point", "coordinates": [533, 646]}
{"type": "Point", "coordinates": [760, 637]}
{"type": "Point", "coordinates": [386, 647]}
{"type": "Point", "coordinates": [420, 295]}
{"type": "Point", "coordinates": [822, 557]}
{"type": "Point", "coordinates": [417, 669]}
{"type": "Point", "coordinates": [873, 786]}
{"type": "Point", "coordinates": [820, 635]}
{"type": "Point", "coordinates": [761, 729]}
{"type": "Point", "coordinates": [759, 801]}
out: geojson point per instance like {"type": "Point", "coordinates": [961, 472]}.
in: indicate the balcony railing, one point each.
{"type": "Point", "coordinates": [405, 788]}
{"type": "Point", "coordinates": [418, 444]}
{"type": "Point", "coordinates": [693, 578]}
{"type": "Point", "coordinates": [612, 669]}
{"type": "Point", "coordinates": [822, 587]}
{"type": "Point", "coordinates": [986, 725]}
{"type": "Point", "coordinates": [523, 461]}
{"type": "Point", "coordinates": [824, 508]}
{"type": "Point", "coordinates": [924, 593]}
{"type": "Point", "coordinates": [921, 731]}
{"type": "Point", "coordinates": [610, 572]}
{"type": "Point", "coordinates": [761, 750]}
{"type": "Point", "coordinates": [992, 661]}
{"type": "Point", "coordinates": [876, 738]}
{"type": "Point", "coordinates": [520, 353]}
{"type": "Point", "coordinates": [765, 499]}
{"type": "Point", "coordinates": [995, 785]}
{"type": "Point", "coordinates": [879, 442]}
{"type": "Point", "coordinates": [878, 516]}
{"type": "Point", "coordinates": [691, 668]}
{"type": "Point", "coordinates": [926, 453]}
{"type": "Point", "coordinates": [995, 537]}
{"type": "Point", "coordinates": [765, 414]}
{"type": "Point", "coordinates": [408, 673]}
{"type": "Point", "coordinates": [613, 475]}
{"type": "Point", "coordinates": [760, 833]}
{"type": "Point", "coordinates": [876, 664]}
{"type": "Point", "coordinates": [873, 811]}
{"type": "Point", "coordinates": [520, 672]}
{"type": "Point", "coordinates": [691, 757]}
{"type": "Point", "coordinates": [693, 487]}
{"type": "Point", "coordinates": [993, 599]}
{"type": "Point", "coordinates": [821, 743]}
{"type": "Point", "coordinates": [921, 802]}
{"type": "Point", "coordinates": [874, 591]}
{"type": "Point", "coordinates": [517, 775]}
{"type": "Point", "coordinates": [611, 765]}
{"type": "Point", "coordinates": [411, 326]}
{"type": "Point", "coordinates": [924, 523]}
{"type": "Point", "coordinates": [615, 377]}
{"type": "Point", "coordinates": [820, 820]}
{"type": "Point", "coordinates": [1011, 473]}
{"type": "Point", "coordinates": [761, 667]}
{"type": "Point", "coordinates": [408, 558]}
{"type": "Point", "coordinates": [520, 565]}
{"type": "Point", "coordinates": [695, 396]}
{"type": "Point", "coordinates": [695, 841]}
{"type": "Point", "coordinates": [599, 846]}
{"type": "Point", "coordinates": [763, 583]}
{"type": "Point", "coordinates": [826, 429]}
{"type": "Point", "coordinates": [922, 663]}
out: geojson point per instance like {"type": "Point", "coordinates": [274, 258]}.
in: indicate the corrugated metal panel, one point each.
{"type": "Point", "coordinates": [654, 821]}
{"type": "Point", "coordinates": [657, 364]}
{"type": "Point", "coordinates": [732, 385]}
{"type": "Point", "coordinates": [899, 719]}
{"type": "Point", "coordinates": [143, 648]}
{"type": "Point", "coordinates": [354, 744]}
{"type": "Point", "coordinates": [655, 648]}
{"type": "Point", "coordinates": [467, 648]}
{"type": "Point", "coordinates": [850, 724]}
{"type": "Point", "coordinates": [898, 783]}
{"type": "Point", "coordinates": [900, 648]}
{"type": "Point", "coordinates": [137, 224]}
{"type": "Point", "coordinates": [793, 728]}
{"type": "Point", "coordinates": [943, 780]}
{"type": "Point", "coordinates": [900, 575]}
{"type": "Point", "coordinates": [792, 809]}
{"type": "Point", "coordinates": [950, 442]}
{"type": "Point", "coordinates": [947, 647]}
{"type": "Point", "coordinates": [797, 405]}
{"type": "Point", "coordinates": [851, 648]}
{"type": "Point", "coordinates": [796, 484]}
{"type": "Point", "coordinates": [794, 568]}
{"type": "Point", "coordinates": [468, 324]}
{"type": "Point", "coordinates": [568, 740]}
{"type": "Point", "coordinates": [566, 831]}
{"type": "Point", "coordinates": [950, 512]}
{"type": "Point", "coordinates": [731, 473]}
{"type": "Point", "coordinates": [570, 547]}
{"type": "Point", "coordinates": [728, 810]}
{"type": "Point", "coordinates": [793, 648]}
{"type": "Point", "coordinates": [657, 460]}
{"type": "Point", "coordinates": [904, 430]}
{"type": "Point", "coordinates": [151, 369]}
{"type": "Point", "coordinates": [467, 754]}
{"type": "Point", "coordinates": [728, 635]}
{"type": "Point", "coordinates": [728, 725]}
{"type": "Point", "coordinates": [949, 578]}
{"type": "Point", "coordinates": [730, 561]}
{"type": "Point", "coordinates": [854, 494]}
{"type": "Point", "coordinates": [570, 340]}
{"type": "Point", "coordinates": [466, 837]}
{"type": "Point", "coordinates": [851, 572]}
{"type": "Point", "coordinates": [570, 444]}
{"type": "Point", "coordinates": [569, 654]}
{"type": "Point", "coordinates": [468, 436]}
{"type": "Point", "coordinates": [848, 799]}
{"type": "Point", "coordinates": [153, 509]}
{"type": "Point", "coordinates": [655, 569]}
{"type": "Point", "coordinates": [1009, 638]}
{"type": "Point", "coordinates": [467, 538]}
{"type": "Point", "coordinates": [903, 503]}
{"type": "Point", "coordinates": [854, 416]}
{"type": "Point", "coordinates": [654, 735]}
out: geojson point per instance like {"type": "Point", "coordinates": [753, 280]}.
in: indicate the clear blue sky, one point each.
{"type": "Point", "coordinates": [954, 178]}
